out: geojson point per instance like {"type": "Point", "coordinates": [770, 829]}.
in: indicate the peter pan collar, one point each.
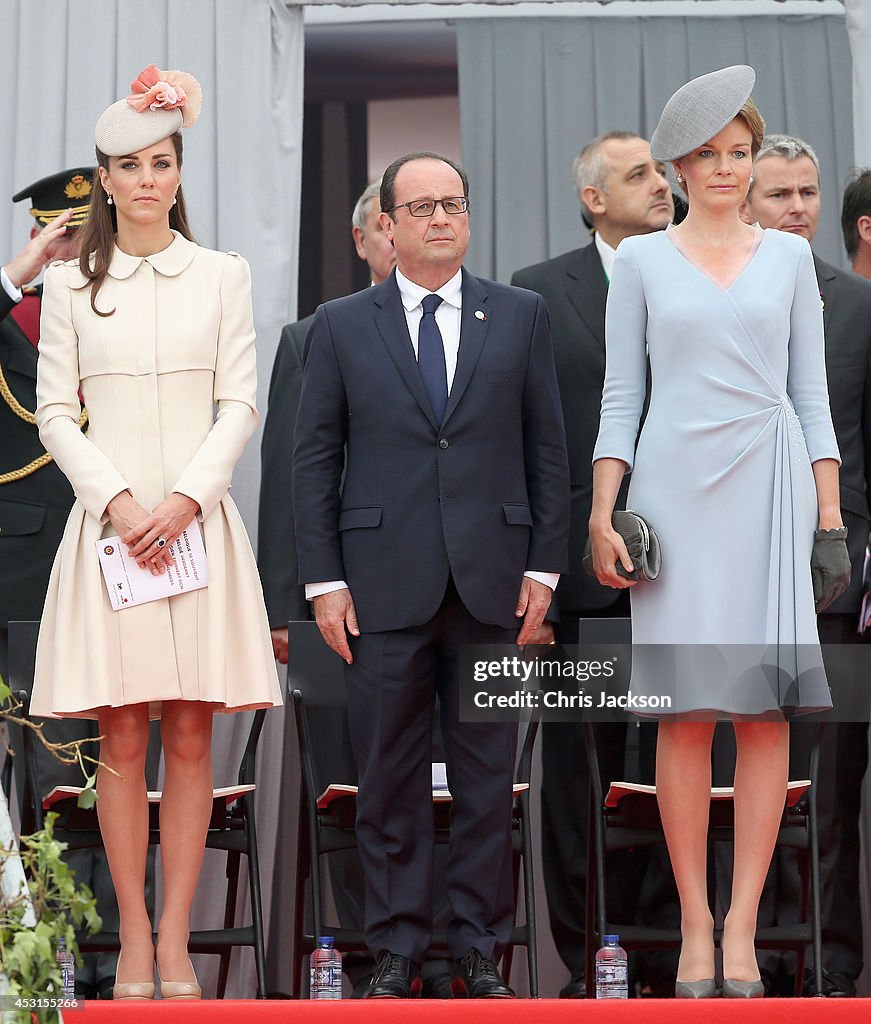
{"type": "Point", "coordinates": [170, 262]}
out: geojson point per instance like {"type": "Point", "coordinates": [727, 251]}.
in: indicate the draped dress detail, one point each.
{"type": "Point", "coordinates": [738, 411]}
{"type": "Point", "coordinates": [179, 346]}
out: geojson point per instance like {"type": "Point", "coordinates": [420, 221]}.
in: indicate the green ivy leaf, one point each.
{"type": "Point", "coordinates": [87, 798]}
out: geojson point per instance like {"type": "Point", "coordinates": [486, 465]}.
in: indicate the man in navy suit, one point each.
{"type": "Point", "coordinates": [436, 391]}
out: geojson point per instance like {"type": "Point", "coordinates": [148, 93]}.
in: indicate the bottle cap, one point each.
{"type": "Point", "coordinates": [611, 938]}
{"type": "Point", "coordinates": [325, 940]}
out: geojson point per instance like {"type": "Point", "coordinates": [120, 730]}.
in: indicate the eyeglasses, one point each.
{"type": "Point", "coordinates": [427, 207]}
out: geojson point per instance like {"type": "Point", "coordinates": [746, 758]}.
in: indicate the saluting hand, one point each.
{"type": "Point", "coordinates": [38, 252]}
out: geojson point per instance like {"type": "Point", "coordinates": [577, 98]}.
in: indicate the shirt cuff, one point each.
{"type": "Point", "coordinates": [11, 290]}
{"type": "Point", "coordinates": [313, 590]}
{"type": "Point", "coordinates": [549, 579]}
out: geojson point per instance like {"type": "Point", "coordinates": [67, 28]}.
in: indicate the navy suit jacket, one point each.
{"type": "Point", "coordinates": [484, 497]}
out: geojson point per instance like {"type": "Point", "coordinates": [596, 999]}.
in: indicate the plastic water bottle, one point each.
{"type": "Point", "coordinates": [326, 970]}
{"type": "Point", "coordinates": [67, 963]}
{"type": "Point", "coordinates": [612, 970]}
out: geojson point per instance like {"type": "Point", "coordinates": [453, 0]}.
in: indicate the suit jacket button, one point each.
{"type": "Point", "coordinates": [443, 442]}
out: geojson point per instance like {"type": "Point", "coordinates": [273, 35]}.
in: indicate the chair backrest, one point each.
{"type": "Point", "coordinates": [22, 655]}
{"type": "Point", "coordinates": [313, 669]}
{"type": "Point", "coordinates": [605, 631]}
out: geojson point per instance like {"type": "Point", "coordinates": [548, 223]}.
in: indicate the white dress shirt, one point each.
{"type": "Point", "coordinates": [14, 293]}
{"type": "Point", "coordinates": [606, 254]}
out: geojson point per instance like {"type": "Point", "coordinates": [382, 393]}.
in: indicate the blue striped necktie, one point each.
{"type": "Point", "coordinates": [431, 357]}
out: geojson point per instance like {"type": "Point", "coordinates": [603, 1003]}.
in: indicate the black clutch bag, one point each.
{"type": "Point", "coordinates": [641, 542]}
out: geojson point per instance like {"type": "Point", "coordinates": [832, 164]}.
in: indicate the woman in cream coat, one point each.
{"type": "Point", "coordinates": [155, 331]}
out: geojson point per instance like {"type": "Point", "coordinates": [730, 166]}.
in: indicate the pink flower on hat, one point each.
{"type": "Point", "coordinates": [150, 92]}
{"type": "Point", "coordinates": [153, 89]}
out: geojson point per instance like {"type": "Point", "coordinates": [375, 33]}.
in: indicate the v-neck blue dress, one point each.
{"type": "Point", "coordinates": [738, 411]}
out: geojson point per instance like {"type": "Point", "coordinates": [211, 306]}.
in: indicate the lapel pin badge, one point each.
{"type": "Point", "coordinates": [479, 314]}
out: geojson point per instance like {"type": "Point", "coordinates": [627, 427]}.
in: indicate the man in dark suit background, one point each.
{"type": "Point", "coordinates": [856, 222]}
{"type": "Point", "coordinates": [623, 192]}
{"type": "Point", "coordinates": [450, 529]}
{"type": "Point", "coordinates": [785, 194]}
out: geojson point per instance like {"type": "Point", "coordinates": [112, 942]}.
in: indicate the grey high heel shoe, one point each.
{"type": "Point", "coordinates": [734, 989]}
{"type": "Point", "coordinates": [705, 989]}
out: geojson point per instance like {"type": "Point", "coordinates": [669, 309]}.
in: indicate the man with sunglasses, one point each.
{"type": "Point", "coordinates": [450, 528]}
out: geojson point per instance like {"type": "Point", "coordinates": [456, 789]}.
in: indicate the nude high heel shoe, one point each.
{"type": "Point", "coordinates": [179, 989]}
{"type": "Point", "coordinates": [131, 989]}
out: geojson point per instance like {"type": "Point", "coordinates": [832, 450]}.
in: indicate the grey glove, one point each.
{"type": "Point", "coordinates": [830, 566]}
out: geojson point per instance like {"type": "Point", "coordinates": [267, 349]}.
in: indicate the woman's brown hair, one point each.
{"type": "Point", "coordinates": [749, 113]}
{"type": "Point", "coordinates": [98, 231]}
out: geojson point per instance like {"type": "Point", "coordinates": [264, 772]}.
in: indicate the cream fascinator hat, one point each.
{"type": "Point", "coordinates": [159, 104]}
{"type": "Point", "coordinates": [700, 109]}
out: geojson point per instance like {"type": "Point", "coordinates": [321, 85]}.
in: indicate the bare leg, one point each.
{"type": "Point", "coordinates": [123, 814]}
{"type": "Point", "coordinates": [683, 787]}
{"type": "Point", "coordinates": [760, 791]}
{"type": "Point", "coordinates": [186, 731]}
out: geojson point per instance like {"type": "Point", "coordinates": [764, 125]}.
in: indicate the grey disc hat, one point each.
{"type": "Point", "coordinates": [700, 109]}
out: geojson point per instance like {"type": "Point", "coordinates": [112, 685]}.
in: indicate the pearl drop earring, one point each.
{"type": "Point", "coordinates": [109, 199]}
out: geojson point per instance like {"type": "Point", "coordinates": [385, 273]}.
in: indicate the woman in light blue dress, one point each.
{"type": "Point", "coordinates": [736, 467]}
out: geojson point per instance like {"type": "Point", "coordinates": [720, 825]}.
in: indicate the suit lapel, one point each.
{"type": "Point", "coordinates": [473, 332]}
{"type": "Point", "coordinates": [587, 290]}
{"type": "Point", "coordinates": [393, 328]}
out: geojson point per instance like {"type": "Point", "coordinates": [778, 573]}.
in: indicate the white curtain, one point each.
{"type": "Point", "coordinates": [63, 62]}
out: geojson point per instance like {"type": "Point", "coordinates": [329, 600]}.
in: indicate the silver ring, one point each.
{"type": "Point", "coordinates": [161, 542]}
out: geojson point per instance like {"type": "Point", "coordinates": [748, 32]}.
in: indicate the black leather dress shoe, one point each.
{"type": "Point", "coordinates": [437, 986]}
{"type": "Point", "coordinates": [576, 987]}
{"type": "Point", "coordinates": [395, 977]}
{"type": "Point", "coordinates": [836, 985]}
{"type": "Point", "coordinates": [479, 978]}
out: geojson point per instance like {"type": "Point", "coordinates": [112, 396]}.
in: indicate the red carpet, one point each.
{"type": "Point", "coordinates": [520, 1011]}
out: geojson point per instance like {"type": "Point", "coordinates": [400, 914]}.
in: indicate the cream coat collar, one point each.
{"type": "Point", "coordinates": [170, 262]}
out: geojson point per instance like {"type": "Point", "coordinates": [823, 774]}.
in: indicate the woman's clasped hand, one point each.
{"type": "Point", "coordinates": [143, 532]}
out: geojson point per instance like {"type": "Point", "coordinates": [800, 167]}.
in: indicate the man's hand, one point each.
{"type": "Point", "coordinates": [38, 252]}
{"type": "Point", "coordinates": [279, 644]}
{"type": "Point", "coordinates": [532, 606]}
{"type": "Point", "coordinates": [333, 613]}
{"type": "Point", "coordinates": [544, 634]}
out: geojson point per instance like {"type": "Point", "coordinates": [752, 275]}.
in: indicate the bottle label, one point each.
{"type": "Point", "coordinates": [326, 981]}
{"type": "Point", "coordinates": [612, 980]}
